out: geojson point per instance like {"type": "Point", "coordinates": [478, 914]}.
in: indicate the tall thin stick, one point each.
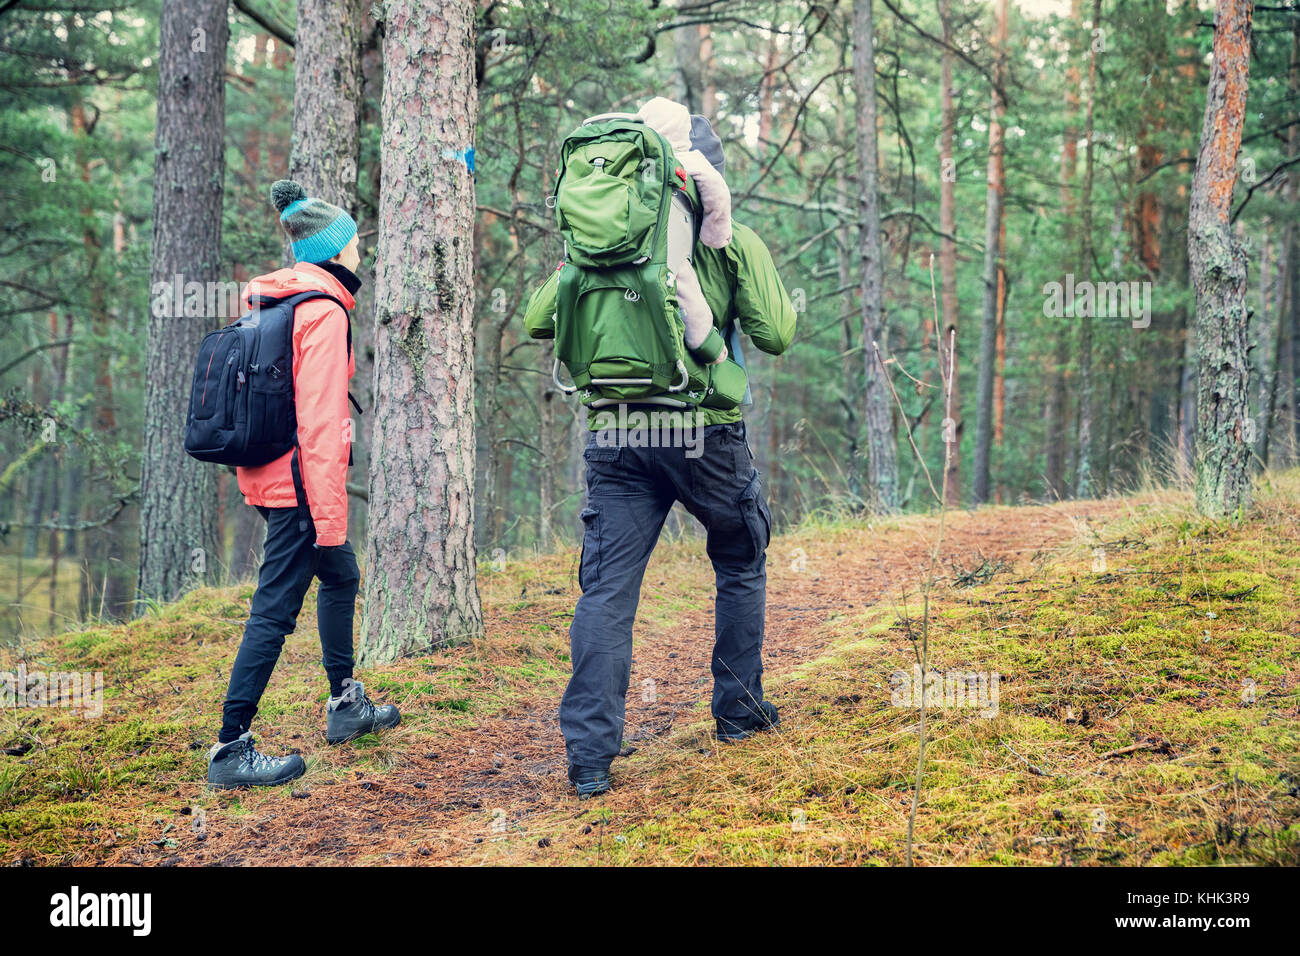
{"type": "Point", "coordinates": [928, 582]}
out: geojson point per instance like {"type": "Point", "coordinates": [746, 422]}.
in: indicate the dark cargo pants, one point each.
{"type": "Point", "coordinates": [630, 491]}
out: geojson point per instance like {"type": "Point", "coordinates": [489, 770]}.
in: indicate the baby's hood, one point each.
{"type": "Point", "coordinates": [671, 120]}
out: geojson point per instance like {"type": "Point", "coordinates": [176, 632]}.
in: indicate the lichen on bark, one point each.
{"type": "Point", "coordinates": [421, 590]}
{"type": "Point", "coordinates": [1219, 269]}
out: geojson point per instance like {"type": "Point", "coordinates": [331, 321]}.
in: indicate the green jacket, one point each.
{"type": "Point", "coordinates": [740, 284]}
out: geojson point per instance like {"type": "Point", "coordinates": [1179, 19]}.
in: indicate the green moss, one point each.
{"type": "Point", "coordinates": [1090, 662]}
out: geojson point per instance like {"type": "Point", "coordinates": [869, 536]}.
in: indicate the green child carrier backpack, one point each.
{"type": "Point", "coordinates": [618, 329]}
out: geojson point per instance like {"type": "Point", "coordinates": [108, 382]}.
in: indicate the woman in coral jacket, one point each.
{"type": "Point", "coordinates": [306, 534]}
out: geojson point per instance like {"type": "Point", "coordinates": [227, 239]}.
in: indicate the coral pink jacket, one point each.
{"type": "Point", "coordinates": [322, 368]}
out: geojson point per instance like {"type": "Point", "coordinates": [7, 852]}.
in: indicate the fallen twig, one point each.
{"type": "Point", "coordinates": [1159, 745]}
{"type": "Point", "coordinates": [1038, 771]}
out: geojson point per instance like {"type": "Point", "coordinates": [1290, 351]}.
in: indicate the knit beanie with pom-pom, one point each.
{"type": "Point", "coordinates": [318, 230]}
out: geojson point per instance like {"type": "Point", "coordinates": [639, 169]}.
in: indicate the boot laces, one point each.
{"type": "Point", "coordinates": [355, 694]}
{"type": "Point", "coordinates": [366, 704]}
{"type": "Point", "coordinates": [257, 761]}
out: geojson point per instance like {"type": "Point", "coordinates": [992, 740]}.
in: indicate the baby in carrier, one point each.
{"type": "Point", "coordinates": [673, 122]}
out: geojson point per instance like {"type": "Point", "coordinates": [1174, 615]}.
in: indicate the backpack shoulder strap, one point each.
{"type": "Point", "coordinates": [293, 301]}
{"type": "Point", "coordinates": [264, 301]}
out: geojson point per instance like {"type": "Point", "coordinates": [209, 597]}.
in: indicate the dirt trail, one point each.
{"type": "Point", "coordinates": [437, 806]}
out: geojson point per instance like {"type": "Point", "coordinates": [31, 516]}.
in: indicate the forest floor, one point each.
{"type": "Point", "coordinates": [1148, 712]}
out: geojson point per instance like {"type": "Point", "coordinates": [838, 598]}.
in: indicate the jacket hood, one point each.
{"type": "Point", "coordinates": [303, 277]}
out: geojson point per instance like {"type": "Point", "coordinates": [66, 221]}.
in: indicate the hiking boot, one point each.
{"type": "Point", "coordinates": [590, 782]}
{"type": "Point", "coordinates": [353, 715]}
{"type": "Point", "coordinates": [238, 764]}
{"type": "Point", "coordinates": [730, 731]}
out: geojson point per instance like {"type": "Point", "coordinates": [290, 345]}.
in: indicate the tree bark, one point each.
{"type": "Point", "coordinates": [421, 589]}
{"type": "Point", "coordinates": [948, 257]}
{"type": "Point", "coordinates": [850, 364]}
{"type": "Point", "coordinates": [708, 84]}
{"type": "Point", "coordinates": [688, 43]}
{"type": "Point", "coordinates": [992, 257]}
{"type": "Point", "coordinates": [1263, 353]}
{"type": "Point", "coordinates": [101, 581]}
{"type": "Point", "coordinates": [178, 532]}
{"type": "Point", "coordinates": [326, 143]}
{"type": "Point", "coordinates": [1058, 396]}
{"type": "Point", "coordinates": [766, 92]}
{"type": "Point", "coordinates": [1284, 422]}
{"type": "Point", "coordinates": [882, 453]}
{"type": "Point", "coordinates": [1185, 453]}
{"type": "Point", "coordinates": [1218, 265]}
{"type": "Point", "coordinates": [1083, 463]}
{"type": "Point", "coordinates": [546, 480]}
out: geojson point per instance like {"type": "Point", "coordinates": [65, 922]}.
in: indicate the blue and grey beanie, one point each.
{"type": "Point", "coordinates": [318, 230]}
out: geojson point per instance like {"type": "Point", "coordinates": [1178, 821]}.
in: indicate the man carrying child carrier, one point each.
{"type": "Point", "coordinates": [612, 308]}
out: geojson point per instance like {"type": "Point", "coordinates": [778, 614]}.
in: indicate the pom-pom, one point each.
{"type": "Point", "coordinates": [286, 192]}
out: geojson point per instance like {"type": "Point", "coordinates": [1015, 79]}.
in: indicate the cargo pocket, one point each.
{"type": "Point", "coordinates": [602, 453]}
{"type": "Point", "coordinates": [757, 518]}
{"type": "Point", "coordinates": [604, 474]}
{"type": "Point", "coordinates": [589, 563]}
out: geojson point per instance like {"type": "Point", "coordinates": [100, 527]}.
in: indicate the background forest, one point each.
{"type": "Point", "coordinates": [1061, 150]}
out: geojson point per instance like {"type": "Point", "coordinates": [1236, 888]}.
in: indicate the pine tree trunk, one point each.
{"type": "Point", "coordinates": [992, 256]}
{"type": "Point", "coordinates": [363, 328]}
{"type": "Point", "coordinates": [178, 532]}
{"type": "Point", "coordinates": [55, 478]}
{"type": "Point", "coordinates": [850, 366]}
{"type": "Point", "coordinates": [948, 256]}
{"type": "Point", "coordinates": [687, 43]}
{"type": "Point", "coordinates": [1185, 453]}
{"type": "Point", "coordinates": [1058, 396]}
{"type": "Point", "coordinates": [546, 480]}
{"type": "Point", "coordinates": [421, 589]}
{"type": "Point", "coordinates": [1218, 266]}
{"type": "Point", "coordinates": [1282, 436]}
{"type": "Point", "coordinates": [1083, 463]}
{"type": "Point", "coordinates": [766, 91]}
{"type": "Point", "coordinates": [882, 453]}
{"type": "Point", "coordinates": [326, 139]}
{"type": "Point", "coordinates": [327, 100]}
{"type": "Point", "coordinates": [37, 484]}
{"type": "Point", "coordinates": [1263, 353]}
{"type": "Point", "coordinates": [709, 85]}
{"type": "Point", "coordinates": [1148, 225]}
{"type": "Point", "coordinates": [999, 369]}
{"type": "Point", "coordinates": [1285, 390]}
{"type": "Point", "coordinates": [103, 546]}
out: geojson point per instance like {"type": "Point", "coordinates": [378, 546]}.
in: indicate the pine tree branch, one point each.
{"type": "Point", "coordinates": [281, 33]}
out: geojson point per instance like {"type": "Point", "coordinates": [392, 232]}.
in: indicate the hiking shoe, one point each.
{"type": "Point", "coordinates": [590, 783]}
{"type": "Point", "coordinates": [238, 764]}
{"type": "Point", "coordinates": [729, 731]}
{"type": "Point", "coordinates": [353, 715]}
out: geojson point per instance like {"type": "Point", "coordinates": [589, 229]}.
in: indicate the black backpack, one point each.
{"type": "Point", "coordinates": [242, 409]}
